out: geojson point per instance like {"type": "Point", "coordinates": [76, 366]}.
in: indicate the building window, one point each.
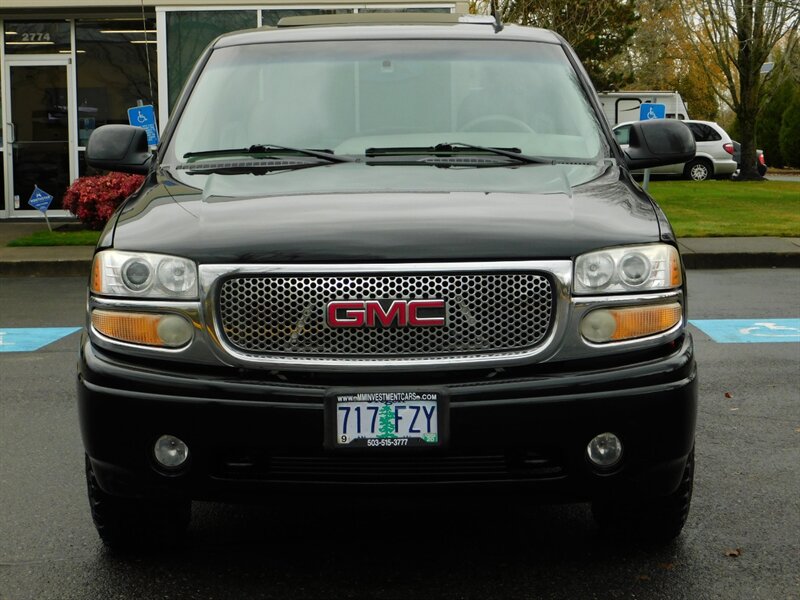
{"type": "Point", "coordinates": [188, 34]}
{"type": "Point", "coordinates": [2, 151]}
{"type": "Point", "coordinates": [406, 10]}
{"type": "Point", "coordinates": [270, 18]}
{"type": "Point", "coordinates": [116, 68]}
{"type": "Point", "coordinates": [40, 37]}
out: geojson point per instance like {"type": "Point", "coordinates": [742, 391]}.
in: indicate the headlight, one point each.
{"type": "Point", "coordinates": [116, 273]}
{"type": "Point", "coordinates": [628, 269]}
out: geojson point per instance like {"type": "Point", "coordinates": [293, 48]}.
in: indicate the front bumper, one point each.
{"type": "Point", "coordinates": [251, 435]}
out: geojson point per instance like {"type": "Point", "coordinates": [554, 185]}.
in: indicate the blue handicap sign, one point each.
{"type": "Point", "coordinates": [30, 339]}
{"type": "Point", "coordinates": [749, 331]}
{"type": "Point", "coordinates": [650, 110]}
{"type": "Point", "coordinates": [40, 200]}
{"type": "Point", "coordinates": [145, 117]}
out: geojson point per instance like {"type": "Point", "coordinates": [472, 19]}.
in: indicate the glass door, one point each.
{"type": "Point", "coordinates": [38, 145]}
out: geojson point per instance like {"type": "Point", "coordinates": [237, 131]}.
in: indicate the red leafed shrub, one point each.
{"type": "Point", "coordinates": [93, 199]}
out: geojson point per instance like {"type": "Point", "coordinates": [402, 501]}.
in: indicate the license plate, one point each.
{"type": "Point", "coordinates": [386, 419]}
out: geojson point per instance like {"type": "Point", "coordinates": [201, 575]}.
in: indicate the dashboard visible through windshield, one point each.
{"type": "Point", "coordinates": [347, 97]}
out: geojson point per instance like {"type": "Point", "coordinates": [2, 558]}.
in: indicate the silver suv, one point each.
{"type": "Point", "coordinates": [714, 156]}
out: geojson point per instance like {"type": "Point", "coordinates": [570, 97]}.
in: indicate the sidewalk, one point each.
{"type": "Point", "coordinates": [40, 261]}
{"type": "Point", "coordinates": [698, 253]}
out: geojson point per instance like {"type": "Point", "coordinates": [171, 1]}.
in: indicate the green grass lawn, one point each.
{"type": "Point", "coordinates": [58, 238]}
{"type": "Point", "coordinates": [730, 208]}
{"type": "Point", "coordinates": [695, 209]}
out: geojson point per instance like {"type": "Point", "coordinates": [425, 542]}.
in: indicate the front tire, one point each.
{"type": "Point", "coordinates": [656, 520]}
{"type": "Point", "coordinates": [134, 523]}
{"type": "Point", "coordinates": [698, 170]}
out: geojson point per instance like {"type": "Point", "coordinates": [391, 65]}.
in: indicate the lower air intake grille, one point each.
{"type": "Point", "coordinates": [330, 468]}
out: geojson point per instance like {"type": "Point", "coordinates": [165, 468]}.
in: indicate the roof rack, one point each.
{"type": "Point", "coordinates": [382, 18]}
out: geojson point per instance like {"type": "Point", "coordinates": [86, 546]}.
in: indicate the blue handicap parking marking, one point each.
{"type": "Point", "coordinates": [27, 340]}
{"type": "Point", "coordinates": [749, 331]}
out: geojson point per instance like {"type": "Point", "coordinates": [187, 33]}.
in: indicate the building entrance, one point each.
{"type": "Point", "coordinates": [40, 144]}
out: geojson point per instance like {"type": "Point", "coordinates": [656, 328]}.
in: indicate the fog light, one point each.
{"type": "Point", "coordinates": [174, 331]}
{"type": "Point", "coordinates": [605, 450]}
{"type": "Point", "coordinates": [170, 452]}
{"type": "Point", "coordinates": [598, 326]}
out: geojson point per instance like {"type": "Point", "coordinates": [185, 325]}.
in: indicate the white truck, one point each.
{"type": "Point", "coordinates": [620, 107]}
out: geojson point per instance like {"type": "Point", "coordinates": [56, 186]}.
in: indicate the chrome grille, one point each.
{"type": "Point", "coordinates": [486, 314]}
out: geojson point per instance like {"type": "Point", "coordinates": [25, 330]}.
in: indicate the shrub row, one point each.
{"type": "Point", "coordinates": [94, 198]}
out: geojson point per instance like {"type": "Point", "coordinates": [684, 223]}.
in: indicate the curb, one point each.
{"type": "Point", "coordinates": [742, 260]}
{"type": "Point", "coordinates": [45, 268]}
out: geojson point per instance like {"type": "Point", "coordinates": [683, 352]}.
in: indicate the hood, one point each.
{"type": "Point", "coordinates": [211, 224]}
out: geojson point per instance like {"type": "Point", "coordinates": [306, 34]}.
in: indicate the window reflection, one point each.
{"type": "Point", "coordinates": [406, 10]}
{"type": "Point", "coordinates": [39, 37]}
{"type": "Point", "coordinates": [112, 66]}
{"type": "Point", "coordinates": [40, 151]}
{"type": "Point", "coordinates": [189, 32]}
{"type": "Point", "coordinates": [270, 17]}
{"type": "Point", "coordinates": [2, 150]}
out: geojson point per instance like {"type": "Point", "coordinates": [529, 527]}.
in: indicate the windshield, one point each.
{"type": "Point", "coordinates": [347, 97]}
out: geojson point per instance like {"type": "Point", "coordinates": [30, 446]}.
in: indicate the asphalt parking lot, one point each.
{"type": "Point", "coordinates": [742, 539]}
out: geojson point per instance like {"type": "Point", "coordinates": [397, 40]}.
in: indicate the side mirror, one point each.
{"type": "Point", "coordinates": [119, 148]}
{"type": "Point", "coordinates": [659, 142]}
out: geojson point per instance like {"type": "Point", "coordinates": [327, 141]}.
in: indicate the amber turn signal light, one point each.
{"type": "Point", "coordinates": [630, 322]}
{"type": "Point", "coordinates": [148, 329]}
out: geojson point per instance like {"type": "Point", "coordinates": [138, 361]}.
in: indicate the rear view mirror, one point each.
{"type": "Point", "coordinates": [659, 142]}
{"type": "Point", "coordinates": [119, 148]}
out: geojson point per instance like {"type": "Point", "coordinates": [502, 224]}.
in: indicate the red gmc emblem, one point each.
{"type": "Point", "coordinates": [386, 313]}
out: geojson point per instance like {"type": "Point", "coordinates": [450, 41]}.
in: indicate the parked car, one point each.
{"type": "Point", "coordinates": [426, 269]}
{"type": "Point", "coordinates": [761, 162]}
{"type": "Point", "coordinates": [714, 157]}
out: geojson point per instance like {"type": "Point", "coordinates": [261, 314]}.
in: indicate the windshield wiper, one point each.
{"type": "Point", "coordinates": [255, 166]}
{"type": "Point", "coordinates": [452, 148]}
{"type": "Point", "coordinates": [270, 148]}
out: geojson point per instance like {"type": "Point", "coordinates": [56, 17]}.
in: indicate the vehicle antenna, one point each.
{"type": "Point", "coordinates": [498, 22]}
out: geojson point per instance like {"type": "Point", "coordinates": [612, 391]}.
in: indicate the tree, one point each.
{"type": "Point", "coordinates": [786, 84]}
{"type": "Point", "coordinates": [660, 57]}
{"type": "Point", "coordinates": [770, 121]}
{"type": "Point", "coordinates": [790, 132]}
{"type": "Point", "coordinates": [740, 35]}
{"type": "Point", "coordinates": [386, 422]}
{"type": "Point", "coordinates": [598, 30]}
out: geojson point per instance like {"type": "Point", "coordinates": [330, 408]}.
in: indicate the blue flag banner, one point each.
{"type": "Point", "coordinates": [40, 200]}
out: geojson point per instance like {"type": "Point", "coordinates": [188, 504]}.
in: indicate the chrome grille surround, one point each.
{"type": "Point", "coordinates": [497, 313]}
{"type": "Point", "coordinates": [485, 314]}
{"type": "Point", "coordinates": [563, 342]}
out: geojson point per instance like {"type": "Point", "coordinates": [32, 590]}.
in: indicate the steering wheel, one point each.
{"type": "Point", "coordinates": [518, 123]}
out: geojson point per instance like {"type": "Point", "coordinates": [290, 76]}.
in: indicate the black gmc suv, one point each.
{"type": "Point", "coordinates": [383, 253]}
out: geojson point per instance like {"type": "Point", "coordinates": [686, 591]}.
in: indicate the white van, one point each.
{"type": "Point", "coordinates": [620, 107]}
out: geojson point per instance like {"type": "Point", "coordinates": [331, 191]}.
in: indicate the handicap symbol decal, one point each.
{"type": "Point", "coordinates": [750, 331]}
{"type": "Point", "coordinates": [30, 339]}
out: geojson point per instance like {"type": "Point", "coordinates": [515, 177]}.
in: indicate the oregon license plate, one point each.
{"type": "Point", "coordinates": [386, 419]}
